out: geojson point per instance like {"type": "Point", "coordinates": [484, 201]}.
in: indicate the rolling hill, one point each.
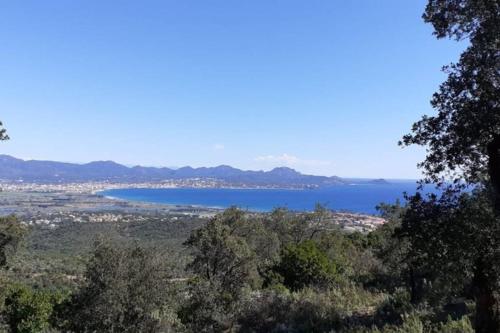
{"type": "Point", "coordinates": [15, 169]}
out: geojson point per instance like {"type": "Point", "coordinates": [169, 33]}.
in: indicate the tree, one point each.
{"type": "Point", "coordinates": [219, 255]}
{"type": "Point", "coordinates": [375, 259]}
{"type": "Point", "coordinates": [29, 311]}
{"type": "Point", "coordinates": [456, 237]}
{"type": "Point", "coordinates": [224, 265]}
{"type": "Point", "coordinates": [305, 265]}
{"type": "Point", "coordinates": [11, 234]}
{"type": "Point", "coordinates": [125, 291]}
{"type": "Point", "coordinates": [289, 227]}
{"type": "Point", "coordinates": [262, 241]}
{"type": "Point", "coordinates": [295, 228]}
{"type": "Point", "coordinates": [463, 139]}
{"type": "Point", "coordinates": [11, 231]}
{"type": "Point", "coordinates": [3, 133]}
{"type": "Point", "coordinates": [392, 248]}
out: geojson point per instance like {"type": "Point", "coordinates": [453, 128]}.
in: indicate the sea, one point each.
{"type": "Point", "coordinates": [358, 198]}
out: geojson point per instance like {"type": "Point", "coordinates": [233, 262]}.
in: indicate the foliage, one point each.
{"type": "Point", "coordinates": [463, 141]}
{"type": "Point", "coordinates": [11, 233]}
{"type": "Point", "coordinates": [463, 137]}
{"type": "Point", "coordinates": [411, 324]}
{"type": "Point", "coordinates": [219, 255]}
{"type": "Point", "coordinates": [351, 253]}
{"type": "Point", "coordinates": [56, 258]}
{"type": "Point", "coordinates": [462, 325]}
{"type": "Point", "coordinates": [391, 250]}
{"type": "Point", "coordinates": [394, 309]}
{"type": "Point", "coordinates": [30, 311]}
{"type": "Point", "coordinates": [126, 289]}
{"type": "Point", "coordinates": [305, 265]}
{"type": "Point", "coordinates": [224, 265]}
{"type": "Point", "coordinates": [436, 250]}
{"type": "Point", "coordinates": [3, 133]}
{"type": "Point", "coordinates": [262, 242]}
{"type": "Point", "coordinates": [455, 243]}
{"type": "Point", "coordinates": [306, 310]}
{"type": "Point", "coordinates": [235, 272]}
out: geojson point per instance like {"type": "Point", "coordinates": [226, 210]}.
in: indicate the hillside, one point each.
{"type": "Point", "coordinates": [14, 169]}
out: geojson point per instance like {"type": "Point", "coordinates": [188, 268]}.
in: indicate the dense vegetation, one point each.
{"type": "Point", "coordinates": [237, 272]}
{"type": "Point", "coordinates": [463, 144]}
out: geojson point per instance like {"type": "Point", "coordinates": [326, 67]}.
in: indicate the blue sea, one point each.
{"type": "Point", "coordinates": [362, 198]}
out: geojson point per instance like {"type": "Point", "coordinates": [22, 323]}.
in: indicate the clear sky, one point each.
{"type": "Point", "coordinates": [326, 87]}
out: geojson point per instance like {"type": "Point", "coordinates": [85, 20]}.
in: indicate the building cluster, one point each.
{"type": "Point", "coordinates": [346, 221]}
{"type": "Point", "coordinates": [357, 222]}
{"type": "Point", "coordinates": [53, 220]}
{"type": "Point", "coordinates": [97, 186]}
{"type": "Point", "coordinates": [81, 188]}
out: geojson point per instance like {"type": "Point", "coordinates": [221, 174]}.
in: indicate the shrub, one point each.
{"type": "Point", "coordinates": [305, 265]}
{"type": "Point", "coordinates": [394, 309]}
{"type": "Point", "coordinates": [462, 325]}
{"type": "Point", "coordinates": [126, 288]}
{"type": "Point", "coordinates": [29, 311]}
{"type": "Point", "coordinates": [306, 310]}
{"type": "Point", "coordinates": [224, 267]}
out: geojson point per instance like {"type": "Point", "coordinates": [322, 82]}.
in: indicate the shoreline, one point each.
{"type": "Point", "coordinates": [164, 204]}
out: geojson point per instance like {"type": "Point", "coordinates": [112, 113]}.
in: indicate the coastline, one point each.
{"type": "Point", "coordinates": [338, 199]}
{"type": "Point", "coordinates": [163, 204]}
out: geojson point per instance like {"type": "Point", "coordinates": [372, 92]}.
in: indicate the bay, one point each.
{"type": "Point", "coordinates": [361, 198]}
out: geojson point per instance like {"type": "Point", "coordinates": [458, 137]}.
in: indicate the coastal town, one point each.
{"type": "Point", "coordinates": [96, 186]}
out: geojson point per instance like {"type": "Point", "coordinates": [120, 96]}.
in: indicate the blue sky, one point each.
{"type": "Point", "coordinates": [326, 87]}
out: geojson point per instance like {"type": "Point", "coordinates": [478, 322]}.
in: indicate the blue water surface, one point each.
{"type": "Point", "coordinates": [361, 198]}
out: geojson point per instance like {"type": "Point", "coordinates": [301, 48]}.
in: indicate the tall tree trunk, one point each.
{"type": "Point", "coordinates": [487, 316]}
{"type": "Point", "coordinates": [416, 287]}
{"type": "Point", "coordinates": [487, 320]}
{"type": "Point", "coordinates": [493, 150]}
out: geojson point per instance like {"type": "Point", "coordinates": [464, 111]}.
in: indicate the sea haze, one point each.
{"type": "Point", "coordinates": [361, 198]}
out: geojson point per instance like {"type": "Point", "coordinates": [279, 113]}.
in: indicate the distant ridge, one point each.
{"type": "Point", "coordinates": [15, 169]}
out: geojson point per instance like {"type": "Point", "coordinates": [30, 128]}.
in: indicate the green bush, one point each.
{"type": "Point", "coordinates": [125, 290]}
{"type": "Point", "coordinates": [307, 310]}
{"type": "Point", "coordinates": [413, 323]}
{"type": "Point", "coordinates": [29, 311]}
{"type": "Point", "coordinates": [462, 325]}
{"type": "Point", "coordinates": [394, 309]}
{"type": "Point", "coordinates": [305, 265]}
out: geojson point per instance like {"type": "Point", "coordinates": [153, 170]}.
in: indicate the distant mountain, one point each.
{"type": "Point", "coordinates": [368, 181]}
{"type": "Point", "coordinates": [379, 181]}
{"type": "Point", "coordinates": [14, 169]}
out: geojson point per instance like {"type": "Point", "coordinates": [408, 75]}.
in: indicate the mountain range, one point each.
{"type": "Point", "coordinates": [15, 169]}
